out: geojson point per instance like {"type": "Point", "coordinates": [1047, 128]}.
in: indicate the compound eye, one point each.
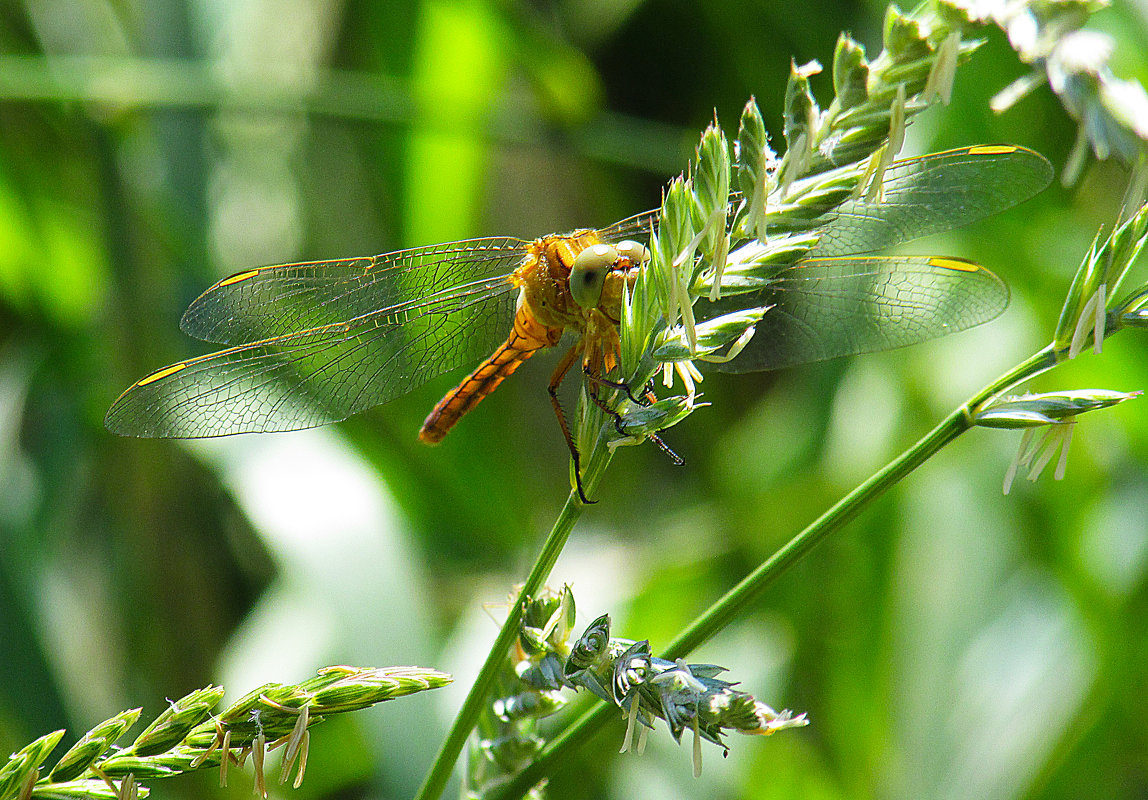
{"type": "Point", "coordinates": [635, 252]}
{"type": "Point", "coordinates": [588, 273]}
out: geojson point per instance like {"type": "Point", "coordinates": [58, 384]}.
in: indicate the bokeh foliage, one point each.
{"type": "Point", "coordinates": [952, 642]}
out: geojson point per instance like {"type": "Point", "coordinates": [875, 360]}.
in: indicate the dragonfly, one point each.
{"type": "Point", "coordinates": [312, 343]}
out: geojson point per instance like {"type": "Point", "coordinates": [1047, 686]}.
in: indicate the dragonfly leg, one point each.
{"type": "Point", "coordinates": [595, 380]}
{"type": "Point", "coordinates": [646, 399]}
{"type": "Point", "coordinates": [556, 381]}
{"type": "Point", "coordinates": [620, 386]}
{"type": "Point", "coordinates": [677, 460]}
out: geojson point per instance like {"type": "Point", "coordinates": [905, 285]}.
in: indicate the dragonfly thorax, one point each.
{"type": "Point", "coordinates": [550, 264]}
{"type": "Point", "coordinates": [544, 279]}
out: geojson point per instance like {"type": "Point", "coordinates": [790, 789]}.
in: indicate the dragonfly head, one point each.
{"type": "Point", "coordinates": [588, 273]}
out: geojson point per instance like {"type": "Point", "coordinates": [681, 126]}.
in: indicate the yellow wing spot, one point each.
{"type": "Point", "coordinates": [992, 150]}
{"type": "Point", "coordinates": [242, 276]}
{"type": "Point", "coordinates": [163, 373]}
{"type": "Point", "coordinates": [955, 263]}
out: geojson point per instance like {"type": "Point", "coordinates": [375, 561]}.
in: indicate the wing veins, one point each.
{"type": "Point", "coordinates": [298, 346]}
{"type": "Point", "coordinates": [476, 292]}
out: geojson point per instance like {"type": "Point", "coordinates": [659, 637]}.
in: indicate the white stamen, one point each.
{"type": "Point", "coordinates": [1084, 324]}
{"type": "Point", "coordinates": [295, 741]}
{"type": "Point", "coordinates": [944, 71]}
{"type": "Point", "coordinates": [683, 370]}
{"type": "Point", "coordinates": [302, 759]}
{"type": "Point", "coordinates": [225, 746]}
{"type": "Point", "coordinates": [1062, 464]}
{"type": "Point", "coordinates": [1019, 459]}
{"type": "Point", "coordinates": [881, 160]}
{"type": "Point", "coordinates": [631, 719]}
{"type": "Point", "coordinates": [1007, 97]}
{"type": "Point", "coordinates": [897, 123]}
{"type": "Point", "coordinates": [687, 310]}
{"type": "Point", "coordinates": [741, 342]}
{"type": "Point", "coordinates": [1049, 444]}
{"type": "Point", "coordinates": [258, 754]}
{"type": "Point", "coordinates": [721, 255]}
{"type": "Point", "coordinates": [866, 175]}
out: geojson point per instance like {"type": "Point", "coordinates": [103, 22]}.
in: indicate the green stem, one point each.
{"type": "Point", "coordinates": [479, 694]}
{"type": "Point", "coordinates": [751, 587]}
{"type": "Point", "coordinates": [444, 762]}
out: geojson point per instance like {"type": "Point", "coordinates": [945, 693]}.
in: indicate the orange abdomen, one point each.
{"type": "Point", "coordinates": [528, 337]}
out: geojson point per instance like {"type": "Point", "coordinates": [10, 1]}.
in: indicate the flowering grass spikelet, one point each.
{"type": "Point", "coordinates": [801, 124]}
{"type": "Point", "coordinates": [756, 165]}
{"type": "Point", "coordinates": [850, 73]}
{"type": "Point", "coordinates": [181, 716]}
{"type": "Point", "coordinates": [1057, 412]}
{"type": "Point", "coordinates": [526, 691]}
{"type": "Point", "coordinates": [1074, 63]}
{"type": "Point", "coordinates": [686, 696]}
{"type": "Point", "coordinates": [93, 744]}
{"type": "Point", "coordinates": [27, 761]}
{"type": "Point", "coordinates": [712, 187]}
{"type": "Point", "coordinates": [272, 716]}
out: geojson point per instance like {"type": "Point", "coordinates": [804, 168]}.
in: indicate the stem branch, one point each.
{"type": "Point", "coordinates": [751, 587]}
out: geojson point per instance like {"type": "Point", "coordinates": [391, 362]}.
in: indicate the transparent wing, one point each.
{"type": "Point", "coordinates": [932, 194]}
{"type": "Point", "coordinates": [275, 301]}
{"type": "Point", "coordinates": [829, 307]}
{"type": "Point", "coordinates": [320, 374]}
{"type": "Point", "coordinates": [636, 227]}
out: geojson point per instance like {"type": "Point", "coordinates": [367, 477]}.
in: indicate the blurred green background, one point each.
{"type": "Point", "coordinates": [951, 642]}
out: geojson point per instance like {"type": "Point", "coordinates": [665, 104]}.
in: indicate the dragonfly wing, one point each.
{"type": "Point", "coordinates": [318, 375]}
{"type": "Point", "coordinates": [932, 194]}
{"type": "Point", "coordinates": [919, 196]}
{"type": "Point", "coordinates": [637, 227]}
{"type": "Point", "coordinates": [279, 300]}
{"type": "Point", "coordinates": [829, 307]}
